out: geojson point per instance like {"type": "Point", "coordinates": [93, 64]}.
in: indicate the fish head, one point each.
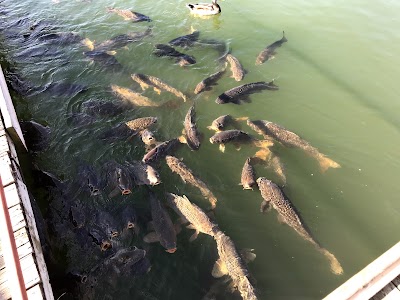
{"type": "Point", "coordinates": [148, 137]}
{"type": "Point", "coordinates": [213, 139]}
{"type": "Point", "coordinates": [153, 176]}
{"type": "Point", "coordinates": [123, 182]}
{"type": "Point", "coordinates": [172, 250]}
{"type": "Point", "coordinates": [263, 180]}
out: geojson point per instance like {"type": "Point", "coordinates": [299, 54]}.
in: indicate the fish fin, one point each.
{"type": "Point", "coordinates": [325, 163]}
{"type": "Point", "coordinates": [114, 192]}
{"type": "Point", "coordinates": [219, 269]}
{"type": "Point", "coordinates": [263, 143]}
{"type": "Point", "coordinates": [177, 228]}
{"type": "Point", "coordinates": [222, 148]}
{"type": "Point", "coordinates": [111, 52]}
{"type": "Point", "coordinates": [262, 155]}
{"type": "Point", "coordinates": [191, 226]}
{"type": "Point", "coordinates": [237, 146]}
{"type": "Point", "coordinates": [151, 237]}
{"type": "Point", "coordinates": [265, 207]}
{"type": "Point", "coordinates": [281, 220]}
{"type": "Point", "coordinates": [157, 90]}
{"type": "Point", "coordinates": [241, 119]}
{"type": "Point", "coordinates": [336, 268]}
{"type": "Point", "coordinates": [144, 86]}
{"type": "Point", "coordinates": [194, 236]}
{"type": "Point", "coordinates": [182, 139]}
{"type": "Point", "coordinates": [88, 43]}
{"type": "Point", "coordinates": [248, 255]}
{"type": "Point", "coordinates": [193, 30]}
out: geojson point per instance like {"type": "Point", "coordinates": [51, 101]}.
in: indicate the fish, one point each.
{"type": "Point", "coordinates": [141, 123]}
{"type": "Point", "coordinates": [222, 121]}
{"type": "Point", "coordinates": [102, 108]}
{"type": "Point", "coordinates": [185, 41]}
{"type": "Point", "coordinates": [148, 138]}
{"type": "Point", "coordinates": [36, 135]}
{"type": "Point", "coordinates": [105, 59]}
{"type": "Point", "coordinates": [236, 67]}
{"type": "Point", "coordinates": [160, 150]}
{"type": "Point", "coordinates": [273, 196]}
{"type": "Point", "coordinates": [226, 136]}
{"type": "Point", "coordinates": [269, 51]}
{"type": "Point", "coordinates": [132, 97]}
{"type": "Point", "coordinates": [119, 178]}
{"type": "Point", "coordinates": [191, 133]}
{"type": "Point", "coordinates": [207, 83]}
{"type": "Point", "coordinates": [241, 92]}
{"type": "Point", "coordinates": [164, 230]}
{"type": "Point", "coordinates": [158, 85]}
{"type": "Point", "coordinates": [248, 179]}
{"type": "Point", "coordinates": [191, 213]}
{"type": "Point", "coordinates": [181, 58]}
{"type": "Point", "coordinates": [231, 263]}
{"type": "Point", "coordinates": [291, 139]}
{"type": "Point", "coordinates": [129, 219]}
{"type": "Point", "coordinates": [122, 40]}
{"type": "Point", "coordinates": [129, 15]}
{"type": "Point", "coordinates": [60, 88]}
{"type": "Point", "coordinates": [90, 181]}
{"type": "Point", "coordinates": [61, 38]}
{"type": "Point", "coordinates": [187, 175]}
{"type": "Point", "coordinates": [143, 174]}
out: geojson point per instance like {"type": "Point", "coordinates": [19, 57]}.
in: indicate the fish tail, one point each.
{"type": "Point", "coordinates": [88, 43]}
{"type": "Point", "coordinates": [284, 39]}
{"type": "Point", "coordinates": [262, 155]}
{"type": "Point", "coordinates": [336, 268]}
{"type": "Point", "coordinates": [326, 163]}
{"type": "Point", "coordinates": [242, 119]}
{"type": "Point", "coordinates": [265, 144]}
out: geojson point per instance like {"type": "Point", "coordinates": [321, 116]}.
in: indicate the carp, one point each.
{"type": "Point", "coordinates": [181, 58]}
{"type": "Point", "coordinates": [144, 174]}
{"type": "Point", "coordinates": [273, 196]}
{"type": "Point", "coordinates": [141, 123]}
{"type": "Point", "coordinates": [191, 213]}
{"type": "Point", "coordinates": [178, 167]}
{"type": "Point", "coordinates": [222, 121]}
{"type": "Point", "coordinates": [160, 150]}
{"type": "Point", "coordinates": [158, 85]}
{"type": "Point", "coordinates": [119, 179]}
{"type": "Point", "coordinates": [191, 137]}
{"type": "Point", "coordinates": [121, 40]}
{"type": "Point", "coordinates": [241, 92]}
{"type": "Point", "coordinates": [269, 51]}
{"type": "Point", "coordinates": [205, 84]}
{"type": "Point", "coordinates": [291, 139]}
{"type": "Point", "coordinates": [104, 58]}
{"type": "Point", "coordinates": [248, 179]}
{"type": "Point", "coordinates": [185, 41]}
{"type": "Point", "coordinates": [129, 15]}
{"type": "Point", "coordinates": [236, 67]}
{"type": "Point", "coordinates": [163, 226]}
{"type": "Point", "coordinates": [132, 97]}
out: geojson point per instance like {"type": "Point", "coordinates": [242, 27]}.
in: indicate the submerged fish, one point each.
{"type": "Point", "coordinates": [90, 180]}
{"type": "Point", "coordinates": [61, 38]}
{"type": "Point", "coordinates": [222, 121]}
{"type": "Point", "coordinates": [158, 85]}
{"type": "Point", "coordinates": [122, 40]}
{"type": "Point", "coordinates": [119, 132]}
{"type": "Point", "coordinates": [248, 180]}
{"type": "Point", "coordinates": [190, 130]}
{"type": "Point", "coordinates": [143, 174]}
{"type": "Point", "coordinates": [102, 108]}
{"type": "Point", "coordinates": [160, 150]}
{"type": "Point", "coordinates": [269, 51]}
{"type": "Point", "coordinates": [129, 15]}
{"type": "Point", "coordinates": [119, 179]}
{"type": "Point", "coordinates": [236, 67]}
{"type": "Point", "coordinates": [205, 84]}
{"type": "Point", "coordinates": [272, 195]}
{"type": "Point", "coordinates": [291, 139]}
{"type": "Point", "coordinates": [164, 228]}
{"type": "Point", "coordinates": [231, 263]}
{"type": "Point", "coordinates": [141, 123]}
{"type": "Point", "coordinates": [241, 92]}
{"type": "Point", "coordinates": [129, 219]}
{"type": "Point", "coordinates": [226, 136]}
{"type": "Point", "coordinates": [185, 40]}
{"type": "Point", "coordinates": [148, 138]}
{"type": "Point", "coordinates": [192, 214]}
{"type": "Point", "coordinates": [181, 58]}
{"type": "Point", "coordinates": [105, 59]}
{"type": "Point", "coordinates": [132, 97]}
{"type": "Point", "coordinates": [178, 167]}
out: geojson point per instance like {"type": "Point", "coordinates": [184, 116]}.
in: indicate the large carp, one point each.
{"type": "Point", "coordinates": [241, 92]}
{"type": "Point", "coordinates": [105, 59]}
{"type": "Point", "coordinates": [269, 51]}
{"type": "Point", "coordinates": [191, 213]}
{"type": "Point", "coordinates": [231, 263]}
{"type": "Point", "coordinates": [178, 167]}
{"type": "Point", "coordinates": [181, 58]}
{"type": "Point", "coordinates": [158, 85]}
{"type": "Point", "coordinates": [248, 180]}
{"type": "Point", "coordinates": [132, 97]}
{"type": "Point", "coordinates": [122, 40]}
{"type": "Point", "coordinates": [205, 84]}
{"type": "Point", "coordinates": [129, 15]}
{"type": "Point", "coordinates": [141, 123]}
{"type": "Point", "coordinates": [185, 41]}
{"type": "Point", "coordinates": [237, 137]}
{"type": "Point", "coordinates": [272, 195]}
{"type": "Point", "coordinates": [143, 174]}
{"type": "Point", "coordinates": [119, 179]}
{"type": "Point", "coordinates": [191, 132]}
{"type": "Point", "coordinates": [160, 150]}
{"type": "Point", "coordinates": [291, 139]}
{"type": "Point", "coordinates": [163, 226]}
{"type": "Point", "coordinates": [222, 121]}
{"type": "Point", "coordinates": [236, 67]}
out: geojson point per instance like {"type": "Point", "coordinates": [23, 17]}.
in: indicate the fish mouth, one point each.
{"type": "Point", "coordinates": [171, 250]}
{"type": "Point", "coordinates": [211, 141]}
{"type": "Point", "coordinates": [114, 234]}
{"type": "Point", "coordinates": [105, 245]}
{"type": "Point", "coordinates": [126, 192]}
{"type": "Point", "coordinates": [130, 225]}
{"type": "Point", "coordinates": [95, 192]}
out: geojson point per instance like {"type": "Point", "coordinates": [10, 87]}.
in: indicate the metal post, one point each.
{"type": "Point", "coordinates": [15, 278]}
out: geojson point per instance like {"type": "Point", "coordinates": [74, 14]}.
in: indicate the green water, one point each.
{"type": "Point", "coordinates": [338, 77]}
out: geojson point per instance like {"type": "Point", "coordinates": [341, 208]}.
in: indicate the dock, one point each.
{"type": "Point", "coordinates": [23, 271]}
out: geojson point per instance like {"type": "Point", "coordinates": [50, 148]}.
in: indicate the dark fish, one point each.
{"type": "Point", "coordinates": [269, 52]}
{"type": "Point", "coordinates": [181, 58]}
{"type": "Point", "coordinates": [143, 174]}
{"type": "Point", "coordinates": [18, 84]}
{"type": "Point", "coordinates": [272, 195]}
{"type": "Point", "coordinates": [163, 226]}
{"type": "Point", "coordinates": [129, 219]}
{"type": "Point", "coordinates": [61, 38]}
{"type": "Point", "coordinates": [191, 131]}
{"type": "Point", "coordinates": [219, 123]}
{"type": "Point", "coordinates": [160, 150]}
{"type": "Point", "coordinates": [36, 136]}
{"type": "Point", "coordinates": [226, 136]}
{"type": "Point", "coordinates": [205, 84]}
{"type": "Point", "coordinates": [102, 108]}
{"type": "Point", "coordinates": [119, 132]}
{"type": "Point", "coordinates": [129, 15]}
{"type": "Point", "coordinates": [236, 67]}
{"type": "Point", "coordinates": [89, 179]}
{"type": "Point", "coordinates": [79, 119]}
{"type": "Point", "coordinates": [291, 139]}
{"type": "Point", "coordinates": [77, 214]}
{"type": "Point", "coordinates": [248, 178]}
{"type": "Point", "coordinates": [122, 40]}
{"type": "Point", "coordinates": [186, 40]}
{"type": "Point", "coordinates": [104, 59]}
{"type": "Point", "coordinates": [61, 89]}
{"type": "Point", "coordinates": [241, 92]}
{"type": "Point", "coordinates": [119, 179]}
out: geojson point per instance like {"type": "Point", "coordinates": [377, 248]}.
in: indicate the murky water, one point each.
{"type": "Point", "coordinates": [338, 77]}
